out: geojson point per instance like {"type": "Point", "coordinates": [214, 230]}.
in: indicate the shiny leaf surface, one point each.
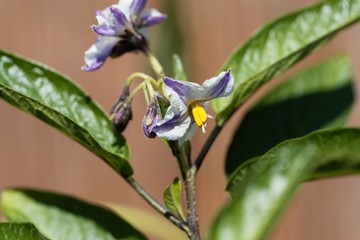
{"type": "Point", "coordinates": [262, 187]}
{"type": "Point", "coordinates": [172, 198]}
{"type": "Point", "coordinates": [279, 45]}
{"type": "Point", "coordinates": [58, 101]}
{"type": "Point", "coordinates": [319, 97]}
{"type": "Point", "coordinates": [19, 231]}
{"type": "Point", "coordinates": [63, 217]}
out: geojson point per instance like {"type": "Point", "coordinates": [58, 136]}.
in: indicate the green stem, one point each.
{"type": "Point", "coordinates": [157, 205]}
{"type": "Point", "coordinates": [192, 218]}
{"type": "Point", "coordinates": [155, 64]}
{"type": "Point", "coordinates": [188, 176]}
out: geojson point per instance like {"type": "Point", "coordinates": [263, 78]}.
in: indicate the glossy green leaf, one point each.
{"type": "Point", "coordinates": [317, 98]}
{"type": "Point", "coordinates": [262, 187]}
{"type": "Point", "coordinates": [279, 45]}
{"type": "Point", "coordinates": [149, 222]}
{"type": "Point", "coordinates": [179, 71]}
{"type": "Point", "coordinates": [64, 217]}
{"type": "Point", "coordinates": [58, 101]}
{"type": "Point", "coordinates": [19, 231]}
{"type": "Point", "coordinates": [172, 198]}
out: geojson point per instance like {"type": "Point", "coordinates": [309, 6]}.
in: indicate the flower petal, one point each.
{"type": "Point", "coordinates": [189, 133]}
{"type": "Point", "coordinates": [219, 86]}
{"type": "Point", "coordinates": [120, 19]}
{"type": "Point", "coordinates": [125, 7]}
{"type": "Point", "coordinates": [136, 7]}
{"type": "Point", "coordinates": [176, 120]}
{"type": "Point", "coordinates": [187, 91]}
{"type": "Point", "coordinates": [150, 17]}
{"type": "Point", "coordinates": [97, 54]}
{"type": "Point", "coordinates": [174, 128]}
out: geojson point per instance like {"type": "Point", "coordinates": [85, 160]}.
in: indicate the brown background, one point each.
{"type": "Point", "coordinates": [57, 33]}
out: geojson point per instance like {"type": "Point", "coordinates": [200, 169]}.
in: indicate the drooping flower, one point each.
{"type": "Point", "coordinates": [121, 28]}
{"type": "Point", "coordinates": [121, 112]}
{"type": "Point", "coordinates": [189, 102]}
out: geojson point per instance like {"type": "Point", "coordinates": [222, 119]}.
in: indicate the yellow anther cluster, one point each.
{"type": "Point", "coordinates": [199, 115]}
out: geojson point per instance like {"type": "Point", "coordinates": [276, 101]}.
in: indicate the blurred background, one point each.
{"type": "Point", "coordinates": [203, 32]}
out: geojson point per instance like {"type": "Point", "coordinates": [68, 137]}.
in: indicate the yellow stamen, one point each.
{"type": "Point", "coordinates": [199, 115]}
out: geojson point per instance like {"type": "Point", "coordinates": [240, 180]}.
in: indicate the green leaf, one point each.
{"type": "Point", "coordinates": [279, 45]}
{"type": "Point", "coordinates": [150, 223]}
{"type": "Point", "coordinates": [262, 187]}
{"type": "Point", "coordinates": [172, 198]}
{"type": "Point", "coordinates": [58, 101]}
{"type": "Point", "coordinates": [179, 71]}
{"type": "Point", "coordinates": [19, 231]}
{"type": "Point", "coordinates": [317, 98]}
{"type": "Point", "coordinates": [64, 217]}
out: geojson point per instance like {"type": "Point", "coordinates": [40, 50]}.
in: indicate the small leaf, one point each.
{"type": "Point", "coordinates": [63, 217]}
{"type": "Point", "coordinates": [19, 231]}
{"type": "Point", "coordinates": [58, 101]}
{"type": "Point", "coordinates": [179, 71]}
{"type": "Point", "coordinates": [263, 186]}
{"type": "Point", "coordinates": [279, 45]}
{"type": "Point", "coordinates": [172, 198]}
{"type": "Point", "coordinates": [317, 98]}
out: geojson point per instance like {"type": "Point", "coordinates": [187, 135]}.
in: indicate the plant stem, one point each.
{"type": "Point", "coordinates": [192, 217]}
{"type": "Point", "coordinates": [156, 66]}
{"type": "Point", "coordinates": [157, 205]}
{"type": "Point", "coordinates": [205, 149]}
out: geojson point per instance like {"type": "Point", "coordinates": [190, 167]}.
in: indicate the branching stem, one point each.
{"type": "Point", "coordinates": [157, 205]}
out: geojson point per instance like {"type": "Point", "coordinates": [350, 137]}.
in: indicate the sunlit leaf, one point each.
{"type": "Point", "coordinates": [64, 217]}
{"type": "Point", "coordinates": [279, 45]}
{"type": "Point", "coordinates": [172, 198]}
{"type": "Point", "coordinates": [58, 101]}
{"type": "Point", "coordinates": [262, 187]}
{"type": "Point", "coordinates": [19, 231]}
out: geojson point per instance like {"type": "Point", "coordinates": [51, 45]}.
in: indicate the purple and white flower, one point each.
{"type": "Point", "coordinates": [121, 28]}
{"type": "Point", "coordinates": [189, 102]}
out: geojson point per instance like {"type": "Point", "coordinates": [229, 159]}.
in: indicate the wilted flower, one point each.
{"type": "Point", "coordinates": [121, 28]}
{"type": "Point", "coordinates": [121, 112]}
{"type": "Point", "coordinates": [189, 102]}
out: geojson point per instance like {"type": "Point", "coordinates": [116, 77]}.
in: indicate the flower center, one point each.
{"type": "Point", "coordinates": [199, 114]}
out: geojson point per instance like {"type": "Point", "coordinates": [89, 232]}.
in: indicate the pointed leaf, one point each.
{"type": "Point", "coordinates": [58, 101]}
{"type": "Point", "coordinates": [262, 187]}
{"type": "Point", "coordinates": [172, 198]}
{"type": "Point", "coordinates": [179, 71]}
{"type": "Point", "coordinates": [279, 45]}
{"type": "Point", "coordinates": [19, 231]}
{"type": "Point", "coordinates": [317, 98]}
{"type": "Point", "coordinates": [63, 217]}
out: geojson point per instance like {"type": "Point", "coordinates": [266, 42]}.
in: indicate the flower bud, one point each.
{"type": "Point", "coordinates": [121, 112]}
{"type": "Point", "coordinates": [151, 118]}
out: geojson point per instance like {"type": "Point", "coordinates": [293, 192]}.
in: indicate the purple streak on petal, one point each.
{"type": "Point", "coordinates": [219, 86]}
{"type": "Point", "coordinates": [94, 66]}
{"type": "Point", "coordinates": [183, 90]}
{"type": "Point", "coordinates": [105, 30]}
{"type": "Point", "coordinates": [136, 7]}
{"type": "Point", "coordinates": [120, 18]}
{"type": "Point", "coordinates": [97, 54]}
{"type": "Point", "coordinates": [173, 128]}
{"type": "Point", "coordinates": [150, 17]}
{"type": "Point", "coordinates": [151, 20]}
